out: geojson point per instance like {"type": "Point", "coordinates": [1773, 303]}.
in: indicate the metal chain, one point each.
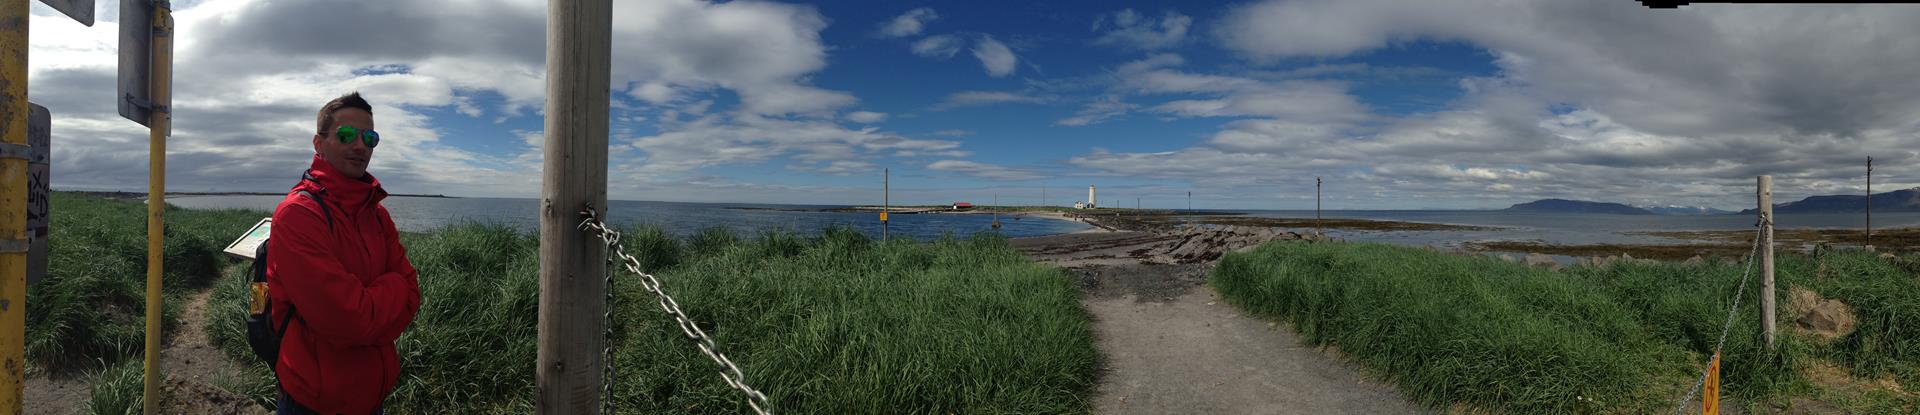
{"type": "Point", "coordinates": [1731, 312]}
{"type": "Point", "coordinates": [606, 399]}
{"type": "Point", "coordinates": [728, 371]}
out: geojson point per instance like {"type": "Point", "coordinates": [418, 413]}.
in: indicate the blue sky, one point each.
{"type": "Point", "coordinates": [1471, 104]}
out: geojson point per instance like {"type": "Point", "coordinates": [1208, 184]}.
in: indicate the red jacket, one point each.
{"type": "Point", "coordinates": [352, 289]}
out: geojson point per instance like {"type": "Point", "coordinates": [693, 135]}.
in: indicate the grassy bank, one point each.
{"type": "Point", "coordinates": [88, 312]}
{"type": "Point", "coordinates": [1455, 331]}
{"type": "Point", "coordinates": [835, 323]}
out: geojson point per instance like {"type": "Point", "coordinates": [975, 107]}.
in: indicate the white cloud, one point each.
{"type": "Point", "coordinates": [866, 117]}
{"type": "Point", "coordinates": [909, 23]}
{"type": "Point", "coordinates": [972, 98]}
{"type": "Point", "coordinates": [937, 46]}
{"type": "Point", "coordinates": [1102, 109]}
{"type": "Point", "coordinates": [1321, 101]}
{"type": "Point", "coordinates": [1131, 30]}
{"type": "Point", "coordinates": [1163, 60]}
{"type": "Point", "coordinates": [1591, 100]}
{"type": "Point", "coordinates": [846, 167]}
{"type": "Point", "coordinates": [983, 170]}
{"type": "Point", "coordinates": [249, 77]}
{"type": "Point", "coordinates": [717, 140]}
{"type": "Point", "coordinates": [995, 56]}
{"type": "Point", "coordinates": [1711, 70]}
{"type": "Point", "coordinates": [761, 50]}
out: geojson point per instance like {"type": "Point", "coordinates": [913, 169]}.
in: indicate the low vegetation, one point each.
{"type": "Point", "coordinates": [89, 311]}
{"type": "Point", "coordinates": [1475, 332]}
{"type": "Point", "coordinates": [835, 323]}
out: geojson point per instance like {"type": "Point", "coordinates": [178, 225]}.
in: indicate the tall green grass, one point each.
{"type": "Point", "coordinates": [117, 389]}
{"type": "Point", "coordinates": [834, 323]}
{"type": "Point", "coordinates": [89, 310]}
{"type": "Point", "coordinates": [1885, 298]}
{"type": "Point", "coordinates": [1458, 330]}
{"type": "Point", "coordinates": [1630, 337]}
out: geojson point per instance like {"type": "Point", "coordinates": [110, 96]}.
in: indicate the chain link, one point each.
{"type": "Point", "coordinates": [606, 399]}
{"type": "Point", "coordinates": [728, 371]}
{"type": "Point", "coordinates": [1731, 312]}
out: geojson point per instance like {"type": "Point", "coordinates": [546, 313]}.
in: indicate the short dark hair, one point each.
{"type": "Point", "coordinates": [350, 100]}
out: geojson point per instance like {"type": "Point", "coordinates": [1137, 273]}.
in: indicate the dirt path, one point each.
{"type": "Point", "coordinates": [192, 363]}
{"type": "Point", "coordinates": [1171, 346]}
{"type": "Point", "coordinates": [56, 395]}
{"type": "Point", "coordinates": [189, 359]}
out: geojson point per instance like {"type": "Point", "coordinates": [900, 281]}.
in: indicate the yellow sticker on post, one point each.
{"type": "Point", "coordinates": [883, 216]}
{"type": "Point", "coordinates": [1710, 396]}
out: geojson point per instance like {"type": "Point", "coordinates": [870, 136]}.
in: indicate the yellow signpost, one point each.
{"type": "Point", "coordinates": [883, 216]}
{"type": "Point", "coordinates": [1710, 397]}
{"type": "Point", "coordinates": [13, 201]}
{"type": "Point", "coordinates": [158, 127]}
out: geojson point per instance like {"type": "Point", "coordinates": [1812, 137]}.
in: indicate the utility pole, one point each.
{"type": "Point", "coordinates": [1316, 207]}
{"type": "Point", "coordinates": [572, 262]}
{"type": "Point", "coordinates": [1869, 204]}
{"type": "Point", "coordinates": [1766, 258]}
{"type": "Point", "coordinates": [886, 200]}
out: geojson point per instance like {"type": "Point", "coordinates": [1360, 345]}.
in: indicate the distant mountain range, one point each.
{"type": "Point", "coordinates": [1907, 200]}
{"type": "Point", "coordinates": [1581, 206]}
{"type": "Point", "coordinates": [1685, 210]}
{"type": "Point", "coordinates": [1576, 206]}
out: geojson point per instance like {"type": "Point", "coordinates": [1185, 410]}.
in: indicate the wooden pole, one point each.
{"type": "Point", "coordinates": [1766, 258]}
{"type": "Point", "coordinates": [13, 202]}
{"type": "Point", "coordinates": [574, 173]}
{"type": "Point", "coordinates": [1869, 204]}
{"type": "Point", "coordinates": [1317, 230]}
{"type": "Point", "coordinates": [158, 127]}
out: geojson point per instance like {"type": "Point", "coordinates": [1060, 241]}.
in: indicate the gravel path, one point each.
{"type": "Point", "coordinates": [1171, 346]}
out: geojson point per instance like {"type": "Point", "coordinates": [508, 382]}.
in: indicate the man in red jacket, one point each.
{"type": "Point", "coordinates": [342, 271]}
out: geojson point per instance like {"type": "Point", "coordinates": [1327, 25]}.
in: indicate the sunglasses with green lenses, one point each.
{"type": "Point", "coordinates": [347, 134]}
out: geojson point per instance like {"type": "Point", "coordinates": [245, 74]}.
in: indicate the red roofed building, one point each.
{"type": "Point", "coordinates": [962, 206]}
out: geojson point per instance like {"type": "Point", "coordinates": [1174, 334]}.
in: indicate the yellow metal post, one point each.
{"type": "Point", "coordinates": [13, 201]}
{"type": "Point", "coordinates": [162, 79]}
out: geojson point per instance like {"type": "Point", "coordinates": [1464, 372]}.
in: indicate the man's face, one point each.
{"type": "Point", "coordinates": [350, 158]}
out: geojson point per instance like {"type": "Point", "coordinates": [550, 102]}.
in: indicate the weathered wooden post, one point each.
{"type": "Point", "coordinates": [1766, 258]}
{"type": "Point", "coordinates": [1869, 204]}
{"type": "Point", "coordinates": [574, 174]}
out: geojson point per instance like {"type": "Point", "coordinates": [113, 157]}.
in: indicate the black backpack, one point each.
{"type": "Point", "coordinates": [261, 334]}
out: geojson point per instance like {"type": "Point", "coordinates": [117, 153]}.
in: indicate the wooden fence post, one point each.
{"type": "Point", "coordinates": [573, 262]}
{"type": "Point", "coordinates": [1766, 258]}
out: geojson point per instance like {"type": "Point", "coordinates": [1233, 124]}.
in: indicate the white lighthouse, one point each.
{"type": "Point", "coordinates": [1090, 198]}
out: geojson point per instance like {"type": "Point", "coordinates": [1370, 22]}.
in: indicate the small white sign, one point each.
{"type": "Point", "coordinates": [250, 241]}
